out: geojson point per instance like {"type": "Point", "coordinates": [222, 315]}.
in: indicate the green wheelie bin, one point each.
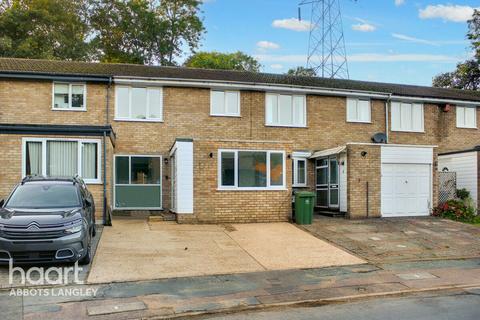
{"type": "Point", "coordinates": [304, 203]}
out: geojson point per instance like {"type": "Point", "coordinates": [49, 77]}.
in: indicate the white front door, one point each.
{"type": "Point", "coordinates": [406, 189]}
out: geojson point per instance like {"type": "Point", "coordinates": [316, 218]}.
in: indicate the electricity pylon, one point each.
{"type": "Point", "coordinates": [327, 55]}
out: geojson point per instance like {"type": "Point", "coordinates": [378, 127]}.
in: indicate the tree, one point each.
{"type": "Point", "coordinates": [145, 31]}
{"type": "Point", "coordinates": [467, 74]}
{"type": "Point", "coordinates": [47, 29]}
{"type": "Point", "coordinates": [302, 71]}
{"type": "Point", "coordinates": [226, 61]}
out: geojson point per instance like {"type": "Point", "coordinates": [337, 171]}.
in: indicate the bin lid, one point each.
{"type": "Point", "coordinates": [305, 194]}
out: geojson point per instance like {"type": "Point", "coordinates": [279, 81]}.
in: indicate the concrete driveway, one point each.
{"type": "Point", "coordinates": [135, 249]}
{"type": "Point", "coordinates": [400, 239]}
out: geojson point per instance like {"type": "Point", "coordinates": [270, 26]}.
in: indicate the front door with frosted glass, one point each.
{"type": "Point", "coordinates": [327, 184]}
{"type": "Point", "coordinates": [138, 182]}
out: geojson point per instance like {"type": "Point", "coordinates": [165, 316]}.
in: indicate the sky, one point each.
{"type": "Point", "coordinates": [399, 41]}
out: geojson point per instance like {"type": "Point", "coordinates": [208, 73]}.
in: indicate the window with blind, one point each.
{"type": "Point", "coordinates": [358, 110]}
{"type": "Point", "coordinates": [407, 117]}
{"type": "Point", "coordinates": [138, 103]}
{"type": "Point", "coordinates": [62, 158]}
{"type": "Point", "coordinates": [225, 103]}
{"type": "Point", "coordinates": [466, 117]}
{"type": "Point", "coordinates": [285, 110]}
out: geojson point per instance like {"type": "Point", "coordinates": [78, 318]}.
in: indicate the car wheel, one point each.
{"type": "Point", "coordinates": [88, 257]}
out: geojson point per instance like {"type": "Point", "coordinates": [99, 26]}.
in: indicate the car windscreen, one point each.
{"type": "Point", "coordinates": [39, 196]}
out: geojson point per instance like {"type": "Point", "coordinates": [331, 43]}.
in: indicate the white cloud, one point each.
{"type": "Point", "coordinates": [455, 13]}
{"type": "Point", "coordinates": [292, 24]}
{"type": "Point", "coordinates": [267, 45]}
{"type": "Point", "coordinates": [276, 66]}
{"type": "Point", "coordinates": [366, 57]}
{"type": "Point", "coordinates": [399, 2]}
{"type": "Point", "coordinates": [413, 39]}
{"type": "Point", "coordinates": [364, 27]}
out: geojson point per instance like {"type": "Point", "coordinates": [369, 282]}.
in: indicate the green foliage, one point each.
{"type": "Point", "coordinates": [302, 71]}
{"type": "Point", "coordinates": [467, 74]}
{"type": "Point", "coordinates": [48, 29]}
{"type": "Point", "coordinates": [225, 61]}
{"type": "Point", "coordinates": [129, 31]}
{"type": "Point", "coordinates": [463, 194]}
{"type": "Point", "coordinates": [456, 210]}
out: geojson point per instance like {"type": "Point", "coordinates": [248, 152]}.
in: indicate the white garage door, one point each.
{"type": "Point", "coordinates": [405, 189]}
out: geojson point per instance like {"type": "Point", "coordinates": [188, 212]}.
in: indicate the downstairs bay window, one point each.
{"type": "Point", "coordinates": [62, 158]}
{"type": "Point", "coordinates": [251, 170]}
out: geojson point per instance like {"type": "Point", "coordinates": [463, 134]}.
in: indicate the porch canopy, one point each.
{"type": "Point", "coordinates": [328, 152]}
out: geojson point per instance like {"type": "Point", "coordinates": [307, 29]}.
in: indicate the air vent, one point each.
{"type": "Point", "coordinates": [379, 138]}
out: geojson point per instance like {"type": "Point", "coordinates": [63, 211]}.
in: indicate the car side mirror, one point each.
{"type": "Point", "coordinates": [2, 202]}
{"type": "Point", "coordinates": [88, 202]}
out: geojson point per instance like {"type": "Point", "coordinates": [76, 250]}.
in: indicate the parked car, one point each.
{"type": "Point", "coordinates": [47, 219]}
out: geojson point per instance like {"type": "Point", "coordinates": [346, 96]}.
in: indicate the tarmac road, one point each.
{"type": "Point", "coordinates": [460, 305]}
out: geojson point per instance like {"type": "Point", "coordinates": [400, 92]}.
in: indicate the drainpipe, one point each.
{"type": "Point", "coordinates": [388, 104]}
{"type": "Point", "coordinates": [108, 100]}
{"type": "Point", "coordinates": [104, 165]}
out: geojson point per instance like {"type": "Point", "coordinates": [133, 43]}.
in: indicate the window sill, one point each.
{"type": "Point", "coordinates": [285, 126]}
{"type": "Point", "coordinates": [466, 127]}
{"type": "Point", "coordinates": [137, 120]}
{"type": "Point", "coordinates": [407, 131]}
{"type": "Point", "coordinates": [299, 186]}
{"type": "Point", "coordinates": [364, 122]}
{"type": "Point", "coordinates": [226, 115]}
{"type": "Point", "coordinates": [134, 208]}
{"type": "Point", "coordinates": [94, 182]}
{"type": "Point", "coordinates": [252, 189]}
{"type": "Point", "coordinates": [70, 109]}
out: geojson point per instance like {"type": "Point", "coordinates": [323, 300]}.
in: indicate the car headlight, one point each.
{"type": "Point", "coordinates": [74, 229]}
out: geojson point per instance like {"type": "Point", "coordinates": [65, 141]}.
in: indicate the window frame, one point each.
{"type": "Point", "coordinates": [475, 116]}
{"type": "Point", "coordinates": [70, 84]}
{"type": "Point", "coordinates": [235, 187]}
{"type": "Point", "coordinates": [130, 118]}
{"type": "Point", "coordinates": [295, 160]}
{"type": "Point", "coordinates": [225, 114]}
{"type": "Point", "coordinates": [357, 99]}
{"type": "Point", "coordinates": [278, 94]}
{"type": "Point", "coordinates": [412, 103]}
{"type": "Point", "coordinates": [80, 142]}
{"type": "Point", "coordinates": [115, 184]}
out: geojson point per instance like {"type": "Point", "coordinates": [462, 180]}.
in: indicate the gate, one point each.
{"type": "Point", "coordinates": [447, 186]}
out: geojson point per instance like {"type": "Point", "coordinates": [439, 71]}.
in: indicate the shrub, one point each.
{"type": "Point", "coordinates": [463, 194]}
{"type": "Point", "coordinates": [455, 210]}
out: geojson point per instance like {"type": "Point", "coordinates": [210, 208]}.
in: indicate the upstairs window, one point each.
{"type": "Point", "coordinates": [138, 103]}
{"type": "Point", "coordinates": [69, 96]}
{"type": "Point", "coordinates": [225, 103]}
{"type": "Point", "coordinates": [466, 117]}
{"type": "Point", "coordinates": [407, 117]}
{"type": "Point", "coordinates": [358, 110]}
{"type": "Point", "coordinates": [286, 110]}
{"type": "Point", "coordinates": [251, 170]}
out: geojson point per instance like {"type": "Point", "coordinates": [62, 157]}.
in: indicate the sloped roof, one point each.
{"type": "Point", "coordinates": [73, 68]}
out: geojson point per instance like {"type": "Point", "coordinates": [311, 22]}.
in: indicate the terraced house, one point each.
{"type": "Point", "coordinates": [223, 146]}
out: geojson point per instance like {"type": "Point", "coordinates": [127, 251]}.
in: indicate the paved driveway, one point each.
{"type": "Point", "coordinates": [135, 249]}
{"type": "Point", "coordinates": [400, 239]}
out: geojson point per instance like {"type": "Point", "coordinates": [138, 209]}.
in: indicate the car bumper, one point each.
{"type": "Point", "coordinates": [69, 248]}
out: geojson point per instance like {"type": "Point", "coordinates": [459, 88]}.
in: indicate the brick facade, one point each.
{"type": "Point", "coordinates": [186, 113]}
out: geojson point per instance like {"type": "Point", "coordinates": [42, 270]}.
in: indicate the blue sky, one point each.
{"type": "Point", "coordinates": [401, 41]}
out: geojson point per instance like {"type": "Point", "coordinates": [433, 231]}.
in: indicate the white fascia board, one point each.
{"type": "Point", "coordinates": [433, 100]}
{"type": "Point", "coordinates": [249, 86]}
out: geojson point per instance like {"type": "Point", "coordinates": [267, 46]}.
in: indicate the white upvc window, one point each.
{"type": "Point", "coordinates": [225, 103]}
{"type": "Point", "coordinates": [138, 103]}
{"type": "Point", "coordinates": [251, 170]}
{"type": "Point", "coordinates": [69, 96]}
{"type": "Point", "coordinates": [407, 117]}
{"type": "Point", "coordinates": [62, 157]}
{"type": "Point", "coordinates": [466, 117]}
{"type": "Point", "coordinates": [358, 110]}
{"type": "Point", "coordinates": [299, 169]}
{"type": "Point", "coordinates": [285, 110]}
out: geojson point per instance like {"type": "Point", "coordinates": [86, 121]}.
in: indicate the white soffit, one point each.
{"type": "Point", "coordinates": [328, 152]}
